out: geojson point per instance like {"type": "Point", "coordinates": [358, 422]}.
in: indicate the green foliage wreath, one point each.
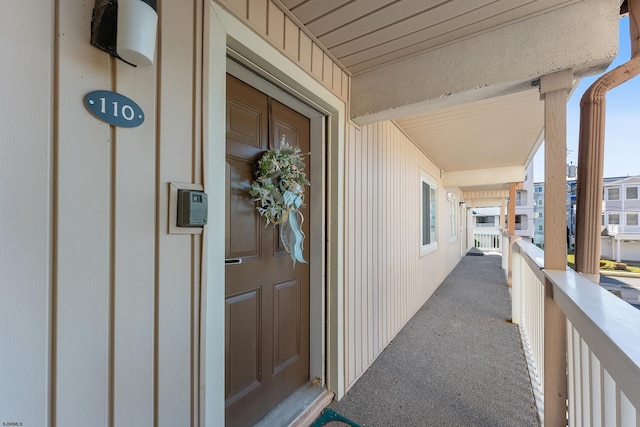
{"type": "Point", "coordinates": [279, 170]}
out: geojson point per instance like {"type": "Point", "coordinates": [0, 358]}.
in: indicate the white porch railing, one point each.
{"type": "Point", "coordinates": [527, 301]}
{"type": "Point", "coordinates": [603, 341]}
{"type": "Point", "coordinates": [614, 229]}
{"type": "Point", "coordinates": [630, 229]}
{"type": "Point", "coordinates": [487, 239]}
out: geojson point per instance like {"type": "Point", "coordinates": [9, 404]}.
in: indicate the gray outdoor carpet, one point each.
{"type": "Point", "coordinates": [458, 362]}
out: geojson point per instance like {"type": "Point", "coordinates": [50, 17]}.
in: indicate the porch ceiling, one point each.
{"type": "Point", "coordinates": [493, 133]}
{"type": "Point", "coordinates": [365, 34]}
{"type": "Point", "coordinates": [456, 75]}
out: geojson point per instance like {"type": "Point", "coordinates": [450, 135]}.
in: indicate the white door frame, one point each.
{"type": "Point", "coordinates": [225, 36]}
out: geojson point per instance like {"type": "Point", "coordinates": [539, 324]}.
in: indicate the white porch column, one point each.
{"type": "Point", "coordinates": [502, 211]}
{"type": "Point", "coordinates": [504, 242]}
{"type": "Point", "coordinates": [470, 228]}
{"type": "Point", "coordinates": [553, 90]}
{"type": "Point", "coordinates": [511, 214]}
{"type": "Point", "coordinates": [511, 220]}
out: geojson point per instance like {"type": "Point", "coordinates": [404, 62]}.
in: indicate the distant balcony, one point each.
{"type": "Point", "coordinates": [615, 229]}
{"type": "Point", "coordinates": [487, 238]}
{"type": "Point", "coordinates": [486, 225]}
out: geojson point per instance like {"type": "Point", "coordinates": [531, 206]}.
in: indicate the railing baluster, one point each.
{"type": "Point", "coordinates": [610, 400]}
{"type": "Point", "coordinates": [585, 370]}
{"type": "Point", "coordinates": [571, 381]}
{"type": "Point", "coordinates": [577, 373]}
{"type": "Point", "coordinates": [627, 411]}
{"type": "Point", "coordinates": [596, 391]}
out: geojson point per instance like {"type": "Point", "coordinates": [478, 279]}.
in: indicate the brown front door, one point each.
{"type": "Point", "coordinates": [267, 300]}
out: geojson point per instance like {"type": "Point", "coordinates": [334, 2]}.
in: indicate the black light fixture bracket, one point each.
{"type": "Point", "coordinates": [104, 26]}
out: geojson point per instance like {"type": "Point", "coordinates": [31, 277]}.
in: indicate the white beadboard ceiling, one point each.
{"type": "Point", "coordinates": [493, 133]}
{"type": "Point", "coordinates": [366, 34]}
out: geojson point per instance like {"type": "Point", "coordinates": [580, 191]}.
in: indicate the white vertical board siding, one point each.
{"type": "Point", "coordinates": [26, 147]}
{"type": "Point", "coordinates": [386, 279]}
{"type": "Point", "coordinates": [178, 157]}
{"type": "Point", "coordinates": [133, 252]}
{"type": "Point", "coordinates": [84, 229]}
{"type": "Point", "coordinates": [108, 327]}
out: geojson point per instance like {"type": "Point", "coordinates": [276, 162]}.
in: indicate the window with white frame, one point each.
{"type": "Point", "coordinates": [632, 218]}
{"type": "Point", "coordinates": [631, 193]}
{"type": "Point", "coordinates": [613, 193]}
{"type": "Point", "coordinates": [614, 218]}
{"type": "Point", "coordinates": [428, 217]}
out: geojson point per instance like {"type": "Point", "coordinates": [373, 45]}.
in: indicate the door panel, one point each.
{"type": "Point", "coordinates": [243, 323]}
{"type": "Point", "coordinates": [267, 299]}
{"type": "Point", "coordinates": [243, 230]}
{"type": "Point", "coordinates": [286, 306]}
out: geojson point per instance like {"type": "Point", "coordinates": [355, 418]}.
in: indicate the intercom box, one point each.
{"type": "Point", "coordinates": [192, 208]}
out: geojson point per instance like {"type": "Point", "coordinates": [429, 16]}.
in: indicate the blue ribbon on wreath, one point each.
{"type": "Point", "coordinates": [291, 233]}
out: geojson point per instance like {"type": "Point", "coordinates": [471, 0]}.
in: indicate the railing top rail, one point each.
{"type": "Point", "coordinates": [608, 325]}
{"type": "Point", "coordinates": [534, 252]}
{"type": "Point", "coordinates": [533, 255]}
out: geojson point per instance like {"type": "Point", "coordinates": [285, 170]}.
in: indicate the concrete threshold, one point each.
{"type": "Point", "coordinates": [300, 408]}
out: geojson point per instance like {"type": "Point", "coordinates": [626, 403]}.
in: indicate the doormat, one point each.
{"type": "Point", "coordinates": [330, 418]}
{"type": "Point", "coordinates": [475, 252]}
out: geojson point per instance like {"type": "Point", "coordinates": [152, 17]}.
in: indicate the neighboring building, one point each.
{"type": "Point", "coordinates": [538, 214]}
{"type": "Point", "coordinates": [620, 213]}
{"type": "Point", "coordinates": [525, 219]}
{"type": "Point", "coordinates": [621, 209]}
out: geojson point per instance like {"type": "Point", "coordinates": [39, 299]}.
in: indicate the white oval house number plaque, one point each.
{"type": "Point", "coordinates": [114, 108]}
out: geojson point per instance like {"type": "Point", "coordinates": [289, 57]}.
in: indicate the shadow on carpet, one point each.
{"type": "Point", "coordinates": [331, 418]}
{"type": "Point", "coordinates": [475, 252]}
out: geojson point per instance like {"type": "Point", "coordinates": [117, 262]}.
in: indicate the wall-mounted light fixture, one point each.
{"type": "Point", "coordinates": [126, 29]}
{"type": "Point", "coordinates": [449, 196]}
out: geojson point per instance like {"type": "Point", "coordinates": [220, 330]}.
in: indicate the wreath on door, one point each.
{"type": "Point", "coordinates": [279, 192]}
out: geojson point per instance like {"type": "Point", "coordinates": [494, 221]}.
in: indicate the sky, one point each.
{"type": "Point", "coordinates": [622, 131]}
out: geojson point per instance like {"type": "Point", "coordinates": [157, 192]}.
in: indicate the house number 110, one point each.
{"type": "Point", "coordinates": [127, 110]}
{"type": "Point", "coordinates": [114, 108]}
